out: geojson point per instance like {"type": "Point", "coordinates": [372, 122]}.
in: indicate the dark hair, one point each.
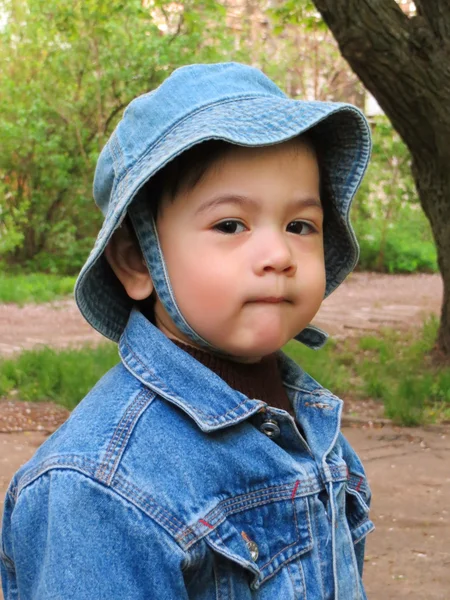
{"type": "Point", "coordinates": [187, 169]}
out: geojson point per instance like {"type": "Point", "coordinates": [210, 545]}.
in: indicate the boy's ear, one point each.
{"type": "Point", "coordinates": [127, 262]}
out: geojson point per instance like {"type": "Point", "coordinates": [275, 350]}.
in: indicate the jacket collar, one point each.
{"type": "Point", "coordinates": [149, 355]}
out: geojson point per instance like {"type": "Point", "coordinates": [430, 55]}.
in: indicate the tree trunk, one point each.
{"type": "Point", "coordinates": [433, 184]}
{"type": "Point", "coordinates": [405, 63]}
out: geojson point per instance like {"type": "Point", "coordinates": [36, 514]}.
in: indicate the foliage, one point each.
{"type": "Point", "coordinates": [393, 367]}
{"type": "Point", "coordinates": [406, 246]}
{"type": "Point", "coordinates": [63, 376]}
{"type": "Point", "coordinates": [69, 69]}
{"type": "Point", "coordinates": [296, 12]}
{"type": "Point", "coordinates": [299, 53]}
{"type": "Point", "coordinates": [393, 231]}
{"type": "Point", "coordinates": [35, 287]}
{"type": "Point", "coordinates": [66, 79]}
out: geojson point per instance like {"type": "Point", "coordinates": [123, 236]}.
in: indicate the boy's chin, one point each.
{"type": "Point", "coordinates": [258, 346]}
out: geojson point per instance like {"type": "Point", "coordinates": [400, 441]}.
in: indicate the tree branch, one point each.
{"type": "Point", "coordinates": [70, 122]}
{"type": "Point", "coordinates": [111, 116]}
{"type": "Point", "coordinates": [437, 15]}
{"type": "Point", "coordinates": [393, 55]}
{"type": "Point", "coordinates": [380, 15]}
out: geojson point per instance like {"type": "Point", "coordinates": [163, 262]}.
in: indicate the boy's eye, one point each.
{"type": "Point", "coordinates": [230, 226]}
{"type": "Point", "coordinates": [300, 228]}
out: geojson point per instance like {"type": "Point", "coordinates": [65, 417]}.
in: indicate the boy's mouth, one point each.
{"type": "Point", "coordinates": [271, 299]}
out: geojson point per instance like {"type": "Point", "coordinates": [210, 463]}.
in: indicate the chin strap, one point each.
{"type": "Point", "coordinates": [144, 225]}
{"type": "Point", "coordinates": [313, 337]}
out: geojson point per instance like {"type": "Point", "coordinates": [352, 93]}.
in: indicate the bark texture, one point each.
{"type": "Point", "coordinates": [404, 61]}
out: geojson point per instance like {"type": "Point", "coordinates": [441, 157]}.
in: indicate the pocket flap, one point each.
{"type": "Point", "coordinates": [263, 537]}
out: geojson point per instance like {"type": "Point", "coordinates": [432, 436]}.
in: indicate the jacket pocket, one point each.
{"type": "Point", "coordinates": [357, 507]}
{"type": "Point", "coordinates": [261, 533]}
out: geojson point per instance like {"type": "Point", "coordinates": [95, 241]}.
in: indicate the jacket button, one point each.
{"type": "Point", "coordinates": [252, 546]}
{"type": "Point", "coordinates": [270, 428]}
{"type": "Point", "coordinates": [254, 552]}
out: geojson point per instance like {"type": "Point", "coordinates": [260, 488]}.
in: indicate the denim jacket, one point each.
{"type": "Point", "coordinates": [163, 484]}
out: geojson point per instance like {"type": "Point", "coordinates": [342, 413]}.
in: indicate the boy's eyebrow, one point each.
{"type": "Point", "coordinates": [250, 202]}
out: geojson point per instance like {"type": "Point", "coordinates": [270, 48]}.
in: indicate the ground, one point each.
{"type": "Point", "coordinates": [364, 303]}
{"type": "Point", "coordinates": [408, 555]}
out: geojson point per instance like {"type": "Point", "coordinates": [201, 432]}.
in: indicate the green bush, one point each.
{"type": "Point", "coordinates": [48, 222]}
{"type": "Point", "coordinates": [333, 375]}
{"type": "Point", "coordinates": [69, 69]}
{"type": "Point", "coordinates": [407, 246]}
{"type": "Point", "coordinates": [393, 232]}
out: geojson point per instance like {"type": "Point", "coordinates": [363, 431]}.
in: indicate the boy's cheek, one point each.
{"type": "Point", "coordinates": [204, 277]}
{"type": "Point", "coordinates": [201, 295]}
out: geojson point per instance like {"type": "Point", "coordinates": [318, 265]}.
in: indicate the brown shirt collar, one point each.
{"type": "Point", "coordinates": [260, 380]}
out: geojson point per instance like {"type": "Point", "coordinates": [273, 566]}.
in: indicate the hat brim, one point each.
{"type": "Point", "coordinates": [250, 121]}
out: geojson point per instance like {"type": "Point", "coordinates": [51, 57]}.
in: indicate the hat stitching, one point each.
{"type": "Point", "coordinates": [187, 117]}
{"type": "Point", "coordinates": [120, 182]}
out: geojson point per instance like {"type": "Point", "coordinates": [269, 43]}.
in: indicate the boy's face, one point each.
{"type": "Point", "coordinates": [244, 250]}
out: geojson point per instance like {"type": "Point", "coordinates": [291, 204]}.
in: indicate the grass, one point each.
{"type": "Point", "coordinates": [35, 287]}
{"type": "Point", "coordinates": [392, 368]}
{"type": "Point", "coordinates": [63, 376]}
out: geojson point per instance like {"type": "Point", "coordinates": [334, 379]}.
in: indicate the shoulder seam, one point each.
{"type": "Point", "coordinates": [121, 488]}
{"type": "Point", "coordinates": [116, 447]}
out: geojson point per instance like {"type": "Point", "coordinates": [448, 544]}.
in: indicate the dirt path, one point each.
{"type": "Point", "coordinates": [408, 556]}
{"type": "Point", "coordinates": [364, 303]}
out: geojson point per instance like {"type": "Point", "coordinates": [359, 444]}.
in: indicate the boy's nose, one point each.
{"type": "Point", "coordinates": [275, 255]}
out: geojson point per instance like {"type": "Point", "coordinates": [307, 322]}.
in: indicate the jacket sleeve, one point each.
{"type": "Point", "coordinates": [70, 537]}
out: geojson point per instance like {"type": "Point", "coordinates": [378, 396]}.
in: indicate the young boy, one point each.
{"type": "Point", "coordinates": [206, 464]}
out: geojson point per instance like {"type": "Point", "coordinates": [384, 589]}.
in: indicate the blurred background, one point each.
{"type": "Point", "coordinates": [68, 70]}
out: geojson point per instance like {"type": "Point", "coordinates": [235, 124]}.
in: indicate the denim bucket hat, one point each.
{"type": "Point", "coordinates": [231, 102]}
